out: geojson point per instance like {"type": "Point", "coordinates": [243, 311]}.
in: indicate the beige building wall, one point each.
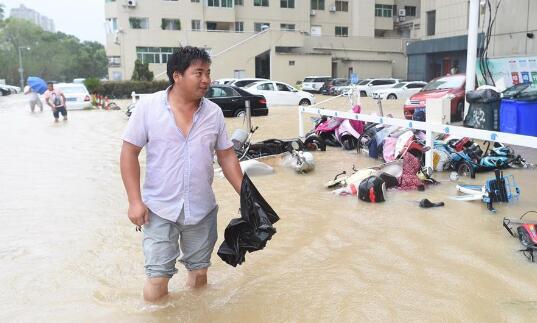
{"type": "Point", "coordinates": [368, 56]}
{"type": "Point", "coordinates": [291, 68]}
{"type": "Point", "coordinates": [451, 18]}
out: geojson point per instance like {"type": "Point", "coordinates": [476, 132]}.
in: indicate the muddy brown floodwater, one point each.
{"type": "Point", "coordinates": [69, 254]}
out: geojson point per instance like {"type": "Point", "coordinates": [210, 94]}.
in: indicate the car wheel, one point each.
{"type": "Point", "coordinates": [392, 97]}
{"type": "Point", "coordinates": [460, 110]}
{"type": "Point", "coordinates": [466, 169]}
{"type": "Point", "coordinates": [363, 93]}
{"type": "Point", "coordinates": [348, 142]}
{"type": "Point", "coordinates": [240, 113]}
{"type": "Point", "coordinates": [304, 102]}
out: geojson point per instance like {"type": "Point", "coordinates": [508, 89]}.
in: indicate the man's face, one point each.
{"type": "Point", "coordinates": [195, 80]}
{"type": "Point", "coordinates": [50, 87]}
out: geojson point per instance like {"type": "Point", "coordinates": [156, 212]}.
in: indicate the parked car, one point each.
{"type": "Point", "coordinates": [245, 82]}
{"type": "Point", "coordinates": [231, 100]}
{"type": "Point", "coordinates": [314, 83]}
{"type": "Point", "coordinates": [76, 95]}
{"type": "Point", "coordinates": [367, 87]}
{"type": "Point", "coordinates": [223, 81]}
{"type": "Point", "coordinates": [444, 85]}
{"type": "Point", "coordinates": [329, 86]}
{"type": "Point", "coordinates": [4, 90]}
{"type": "Point", "coordinates": [279, 93]}
{"type": "Point", "coordinates": [402, 90]}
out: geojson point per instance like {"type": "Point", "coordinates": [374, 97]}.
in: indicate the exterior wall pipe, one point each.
{"type": "Point", "coordinates": [473, 21]}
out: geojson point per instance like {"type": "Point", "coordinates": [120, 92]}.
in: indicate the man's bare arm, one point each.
{"type": "Point", "coordinates": [130, 173]}
{"type": "Point", "coordinates": [231, 167]}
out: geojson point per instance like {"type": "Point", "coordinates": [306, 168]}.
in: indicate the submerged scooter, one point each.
{"type": "Point", "coordinates": [526, 232]}
{"type": "Point", "coordinates": [348, 131]}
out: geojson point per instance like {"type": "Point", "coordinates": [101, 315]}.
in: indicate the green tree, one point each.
{"type": "Point", "coordinates": [141, 72]}
{"type": "Point", "coordinates": [1, 11]}
{"type": "Point", "coordinates": [52, 56]}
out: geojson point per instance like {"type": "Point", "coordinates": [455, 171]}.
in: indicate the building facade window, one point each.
{"type": "Point", "coordinates": [287, 3]}
{"type": "Point", "coordinates": [258, 26]}
{"type": "Point", "coordinates": [261, 3]}
{"type": "Point", "coordinates": [342, 31]}
{"type": "Point", "coordinates": [139, 23]}
{"type": "Point", "coordinates": [227, 3]}
{"type": "Point", "coordinates": [287, 27]}
{"type": "Point", "coordinates": [410, 11]}
{"type": "Point", "coordinates": [431, 22]}
{"type": "Point", "coordinates": [317, 4]}
{"type": "Point", "coordinates": [239, 2]}
{"type": "Point", "coordinates": [342, 6]}
{"type": "Point", "coordinates": [154, 55]}
{"type": "Point", "coordinates": [112, 25]}
{"type": "Point", "coordinates": [239, 26]}
{"type": "Point", "coordinates": [196, 25]}
{"type": "Point", "coordinates": [114, 61]}
{"type": "Point", "coordinates": [170, 24]}
{"type": "Point", "coordinates": [197, 1]}
{"type": "Point", "coordinates": [213, 3]}
{"type": "Point", "coordinates": [291, 63]}
{"type": "Point", "coordinates": [383, 10]}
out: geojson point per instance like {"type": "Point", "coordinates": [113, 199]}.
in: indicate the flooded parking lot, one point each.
{"type": "Point", "coordinates": [68, 252]}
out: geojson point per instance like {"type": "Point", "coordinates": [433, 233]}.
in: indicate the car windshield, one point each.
{"type": "Point", "coordinates": [249, 85]}
{"type": "Point", "coordinates": [364, 82]}
{"type": "Point", "coordinates": [309, 79]}
{"type": "Point", "coordinates": [448, 82]}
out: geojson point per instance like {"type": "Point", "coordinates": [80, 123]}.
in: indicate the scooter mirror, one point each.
{"type": "Point", "coordinates": [295, 145]}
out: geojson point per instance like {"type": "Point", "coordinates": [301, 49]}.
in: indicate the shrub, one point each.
{"type": "Point", "coordinates": [93, 85]}
{"type": "Point", "coordinates": [123, 89]}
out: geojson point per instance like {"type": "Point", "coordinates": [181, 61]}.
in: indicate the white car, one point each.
{"type": "Point", "coordinates": [279, 93]}
{"type": "Point", "coordinates": [368, 86]}
{"type": "Point", "coordinates": [402, 90]}
{"type": "Point", "coordinates": [244, 82]}
{"type": "Point", "coordinates": [223, 81]}
{"type": "Point", "coordinates": [314, 83]}
{"type": "Point", "coordinates": [76, 95]}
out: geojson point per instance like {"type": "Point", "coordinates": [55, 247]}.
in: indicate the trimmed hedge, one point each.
{"type": "Point", "coordinates": [123, 89]}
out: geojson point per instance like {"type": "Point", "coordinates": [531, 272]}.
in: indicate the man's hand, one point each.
{"type": "Point", "coordinates": [138, 213]}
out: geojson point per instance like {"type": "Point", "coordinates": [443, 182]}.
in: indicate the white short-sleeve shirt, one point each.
{"type": "Point", "coordinates": [179, 169]}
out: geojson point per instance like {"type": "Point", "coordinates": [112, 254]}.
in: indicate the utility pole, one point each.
{"type": "Point", "coordinates": [21, 69]}
{"type": "Point", "coordinates": [473, 21]}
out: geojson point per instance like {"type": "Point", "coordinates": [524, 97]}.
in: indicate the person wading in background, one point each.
{"type": "Point", "coordinates": [181, 131]}
{"type": "Point", "coordinates": [56, 100]}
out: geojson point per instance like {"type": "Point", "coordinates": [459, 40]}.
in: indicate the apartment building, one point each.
{"type": "Point", "coordinates": [35, 17]}
{"type": "Point", "coordinates": [444, 34]}
{"type": "Point", "coordinates": [278, 39]}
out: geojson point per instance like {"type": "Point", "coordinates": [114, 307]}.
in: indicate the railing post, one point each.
{"type": "Point", "coordinates": [300, 122]}
{"type": "Point", "coordinates": [429, 153]}
{"type": "Point", "coordinates": [133, 95]}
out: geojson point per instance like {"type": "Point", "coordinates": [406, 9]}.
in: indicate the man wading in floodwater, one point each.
{"type": "Point", "coordinates": [181, 131]}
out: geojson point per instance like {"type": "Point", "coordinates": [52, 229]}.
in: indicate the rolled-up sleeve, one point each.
{"type": "Point", "coordinates": [223, 141]}
{"type": "Point", "coordinates": [136, 131]}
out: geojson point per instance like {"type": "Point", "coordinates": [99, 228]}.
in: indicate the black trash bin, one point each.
{"type": "Point", "coordinates": [484, 110]}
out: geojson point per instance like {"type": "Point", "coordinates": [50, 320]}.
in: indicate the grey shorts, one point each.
{"type": "Point", "coordinates": [165, 241]}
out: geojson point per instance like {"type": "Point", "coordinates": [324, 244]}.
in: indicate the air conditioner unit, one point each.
{"type": "Point", "coordinates": [312, 13]}
{"type": "Point", "coordinates": [131, 3]}
{"type": "Point", "coordinates": [333, 8]}
{"type": "Point", "coordinates": [402, 12]}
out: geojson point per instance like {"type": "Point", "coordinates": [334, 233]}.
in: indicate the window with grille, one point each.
{"type": "Point", "coordinates": [258, 26]}
{"type": "Point", "coordinates": [196, 25]}
{"type": "Point", "coordinates": [287, 27]}
{"type": "Point", "coordinates": [239, 26]}
{"type": "Point", "coordinates": [287, 3]}
{"type": "Point", "coordinates": [139, 23]}
{"type": "Point", "coordinates": [317, 4]}
{"type": "Point", "coordinates": [261, 3]}
{"type": "Point", "coordinates": [383, 10]}
{"type": "Point", "coordinates": [410, 11]}
{"type": "Point", "coordinates": [156, 55]}
{"type": "Point", "coordinates": [342, 31]}
{"type": "Point", "coordinates": [170, 24]}
{"type": "Point", "coordinates": [342, 6]}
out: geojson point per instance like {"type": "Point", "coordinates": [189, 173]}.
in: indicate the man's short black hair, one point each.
{"type": "Point", "coordinates": [50, 83]}
{"type": "Point", "coordinates": [183, 57]}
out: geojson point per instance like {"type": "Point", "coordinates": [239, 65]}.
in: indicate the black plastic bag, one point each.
{"type": "Point", "coordinates": [252, 230]}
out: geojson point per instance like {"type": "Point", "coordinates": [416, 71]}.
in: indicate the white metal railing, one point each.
{"type": "Point", "coordinates": [429, 128]}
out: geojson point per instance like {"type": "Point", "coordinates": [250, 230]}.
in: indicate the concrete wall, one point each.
{"type": "Point", "coordinates": [514, 20]}
{"type": "Point", "coordinates": [304, 65]}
